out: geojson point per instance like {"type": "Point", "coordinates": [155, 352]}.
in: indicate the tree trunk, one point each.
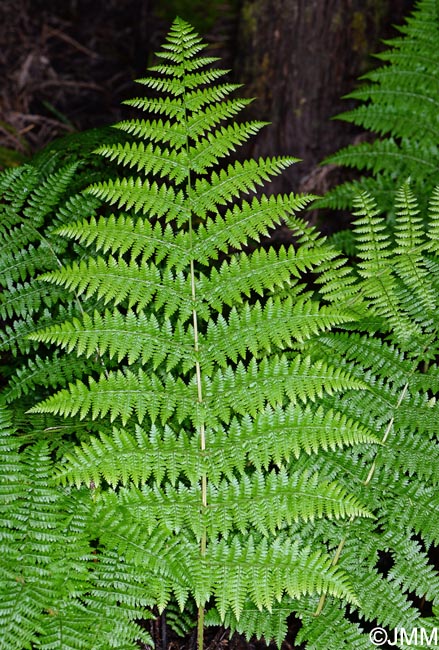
{"type": "Point", "coordinates": [298, 58]}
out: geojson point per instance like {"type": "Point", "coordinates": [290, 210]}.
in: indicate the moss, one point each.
{"type": "Point", "coordinates": [336, 21]}
{"type": "Point", "coordinates": [359, 30]}
{"type": "Point", "coordinates": [249, 21]}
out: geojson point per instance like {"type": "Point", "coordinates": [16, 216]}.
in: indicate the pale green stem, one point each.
{"type": "Point", "coordinates": [202, 429]}
{"type": "Point", "coordinates": [203, 543]}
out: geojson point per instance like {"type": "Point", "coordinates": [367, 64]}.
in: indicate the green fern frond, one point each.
{"type": "Point", "coordinates": [33, 202]}
{"type": "Point", "coordinates": [260, 502]}
{"type": "Point", "coordinates": [245, 221]}
{"type": "Point", "coordinates": [381, 119]}
{"type": "Point", "coordinates": [395, 99]}
{"type": "Point", "coordinates": [253, 622]}
{"type": "Point", "coordinates": [417, 511]}
{"type": "Point", "coordinates": [51, 372]}
{"type": "Point", "coordinates": [16, 184]}
{"type": "Point", "coordinates": [130, 336]}
{"type": "Point", "coordinates": [396, 356]}
{"type": "Point", "coordinates": [374, 249]}
{"type": "Point", "coordinates": [140, 236]}
{"type": "Point", "coordinates": [123, 394]}
{"type": "Point", "coordinates": [26, 299]}
{"type": "Point", "coordinates": [43, 583]}
{"type": "Point", "coordinates": [262, 464]}
{"type": "Point", "coordinates": [433, 230]}
{"type": "Point", "coordinates": [258, 329]}
{"type": "Point", "coordinates": [258, 272]}
{"type": "Point", "coordinates": [332, 629]}
{"type": "Point", "coordinates": [412, 570]}
{"type": "Point", "coordinates": [269, 571]}
{"type": "Point", "coordinates": [239, 178]}
{"type": "Point", "coordinates": [123, 234]}
{"type": "Point", "coordinates": [131, 283]}
{"type": "Point", "coordinates": [275, 436]}
{"type": "Point", "coordinates": [142, 196]}
{"type": "Point", "coordinates": [200, 355]}
{"type": "Point", "coordinates": [383, 155]}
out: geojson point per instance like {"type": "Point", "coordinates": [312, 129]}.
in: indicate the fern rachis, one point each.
{"type": "Point", "coordinates": [168, 272]}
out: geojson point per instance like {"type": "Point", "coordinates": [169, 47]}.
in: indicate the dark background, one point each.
{"type": "Point", "coordinates": [67, 64]}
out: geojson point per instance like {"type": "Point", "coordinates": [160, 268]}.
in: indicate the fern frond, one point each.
{"type": "Point", "coordinates": [382, 155]}
{"type": "Point", "coordinates": [382, 119]}
{"type": "Point", "coordinates": [262, 503]}
{"type": "Point", "coordinates": [131, 283]}
{"type": "Point", "coordinates": [258, 329]}
{"type": "Point", "coordinates": [143, 196]}
{"type": "Point", "coordinates": [231, 183]}
{"type": "Point", "coordinates": [52, 594]}
{"type": "Point", "coordinates": [124, 336]}
{"type": "Point", "coordinates": [332, 629]}
{"type": "Point", "coordinates": [275, 436]}
{"type": "Point", "coordinates": [409, 238]}
{"type": "Point", "coordinates": [150, 159]}
{"type": "Point", "coordinates": [262, 270]}
{"type": "Point", "coordinates": [31, 209]}
{"type": "Point", "coordinates": [253, 622]}
{"type": "Point", "coordinates": [208, 151]}
{"type": "Point", "coordinates": [396, 358]}
{"type": "Point", "coordinates": [27, 298]}
{"type": "Point", "coordinates": [267, 572]}
{"type": "Point", "coordinates": [246, 450]}
{"type": "Point", "coordinates": [433, 230]}
{"type": "Point", "coordinates": [52, 372]}
{"type": "Point", "coordinates": [123, 394]}
{"type": "Point", "coordinates": [123, 233]}
{"type": "Point", "coordinates": [244, 221]}
{"type": "Point", "coordinates": [202, 123]}
{"type": "Point", "coordinates": [412, 570]}
{"type": "Point", "coordinates": [395, 99]}
{"type": "Point", "coordinates": [374, 250]}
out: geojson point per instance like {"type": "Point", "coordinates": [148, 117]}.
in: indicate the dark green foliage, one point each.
{"type": "Point", "coordinates": [36, 199]}
{"type": "Point", "coordinates": [399, 480]}
{"type": "Point", "coordinates": [400, 106]}
{"type": "Point", "coordinates": [56, 591]}
{"type": "Point", "coordinates": [394, 351]}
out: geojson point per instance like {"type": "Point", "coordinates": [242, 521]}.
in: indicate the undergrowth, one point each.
{"type": "Point", "coordinates": [187, 423]}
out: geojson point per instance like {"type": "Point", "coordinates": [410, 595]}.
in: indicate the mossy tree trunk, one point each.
{"type": "Point", "coordinates": [299, 57]}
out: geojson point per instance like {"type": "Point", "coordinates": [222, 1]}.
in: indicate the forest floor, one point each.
{"type": "Point", "coordinates": [218, 639]}
{"type": "Point", "coordinates": [62, 71]}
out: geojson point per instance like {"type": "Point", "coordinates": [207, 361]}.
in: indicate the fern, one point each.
{"type": "Point", "coordinates": [392, 347]}
{"type": "Point", "coordinates": [35, 200]}
{"type": "Point", "coordinates": [53, 594]}
{"type": "Point", "coordinates": [398, 481]}
{"type": "Point", "coordinates": [396, 99]}
{"type": "Point", "coordinates": [224, 435]}
{"type": "Point", "coordinates": [203, 494]}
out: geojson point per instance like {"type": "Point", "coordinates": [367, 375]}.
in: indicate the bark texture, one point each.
{"type": "Point", "coordinates": [298, 58]}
